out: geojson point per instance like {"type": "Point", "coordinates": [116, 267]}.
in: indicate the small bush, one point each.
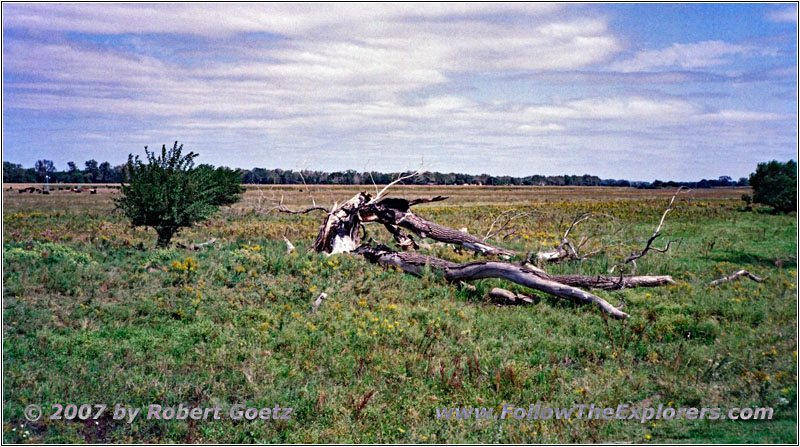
{"type": "Point", "coordinates": [169, 192]}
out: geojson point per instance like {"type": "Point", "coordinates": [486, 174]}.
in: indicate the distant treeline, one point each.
{"type": "Point", "coordinates": [94, 172]}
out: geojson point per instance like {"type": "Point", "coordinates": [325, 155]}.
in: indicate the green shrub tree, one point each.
{"type": "Point", "coordinates": [775, 184]}
{"type": "Point", "coordinates": [169, 193]}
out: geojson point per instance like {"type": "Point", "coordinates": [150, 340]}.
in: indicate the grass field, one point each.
{"type": "Point", "coordinates": [92, 313]}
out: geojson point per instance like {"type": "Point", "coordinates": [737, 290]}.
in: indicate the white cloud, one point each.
{"type": "Point", "coordinates": [688, 56]}
{"type": "Point", "coordinates": [356, 61]}
{"type": "Point", "coordinates": [221, 19]}
{"type": "Point", "coordinates": [785, 15]}
{"type": "Point", "coordinates": [631, 109]}
{"type": "Point", "coordinates": [736, 116]}
{"type": "Point", "coordinates": [386, 78]}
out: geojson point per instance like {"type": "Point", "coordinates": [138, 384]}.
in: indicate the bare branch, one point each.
{"type": "Point", "coordinates": [404, 240]}
{"type": "Point", "coordinates": [261, 193]}
{"type": "Point", "coordinates": [310, 196]}
{"type": "Point", "coordinates": [372, 179]}
{"type": "Point", "coordinates": [566, 249]}
{"type": "Point", "coordinates": [307, 210]}
{"type": "Point", "coordinates": [318, 301]}
{"type": "Point", "coordinates": [634, 256]}
{"type": "Point", "coordinates": [736, 275]}
{"type": "Point", "coordinates": [491, 232]}
{"type": "Point", "coordinates": [280, 207]}
{"type": "Point", "coordinates": [396, 181]}
{"type": "Point", "coordinates": [417, 201]}
{"type": "Point", "coordinates": [197, 246]}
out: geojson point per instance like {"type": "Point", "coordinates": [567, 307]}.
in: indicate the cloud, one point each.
{"type": "Point", "coordinates": [530, 82]}
{"type": "Point", "coordinates": [371, 57]}
{"type": "Point", "coordinates": [688, 56]}
{"type": "Point", "coordinates": [225, 19]}
{"type": "Point", "coordinates": [784, 15]}
{"type": "Point", "coordinates": [343, 53]}
{"type": "Point", "coordinates": [734, 116]}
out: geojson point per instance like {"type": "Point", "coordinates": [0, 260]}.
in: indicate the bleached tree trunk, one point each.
{"type": "Point", "coordinates": [415, 264]}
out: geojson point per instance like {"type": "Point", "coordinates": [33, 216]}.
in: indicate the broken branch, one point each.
{"type": "Point", "coordinates": [198, 246]}
{"type": "Point", "coordinates": [509, 217]}
{"type": "Point", "coordinates": [396, 181]}
{"type": "Point", "coordinates": [736, 275]}
{"type": "Point", "coordinates": [507, 297]}
{"type": "Point", "coordinates": [565, 249]}
{"type": "Point", "coordinates": [415, 264]}
{"type": "Point", "coordinates": [634, 256]}
{"type": "Point", "coordinates": [280, 207]}
{"type": "Point", "coordinates": [318, 301]}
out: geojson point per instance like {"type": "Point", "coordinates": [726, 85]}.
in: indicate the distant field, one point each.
{"type": "Point", "coordinates": [324, 194]}
{"type": "Point", "coordinates": [92, 313]}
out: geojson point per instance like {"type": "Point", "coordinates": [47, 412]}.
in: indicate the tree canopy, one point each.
{"type": "Point", "coordinates": [168, 192]}
{"type": "Point", "coordinates": [775, 184]}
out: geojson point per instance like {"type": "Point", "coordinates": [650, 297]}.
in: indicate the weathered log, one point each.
{"type": "Point", "coordinates": [396, 212]}
{"type": "Point", "coordinates": [339, 230]}
{"type": "Point", "coordinates": [612, 282]}
{"type": "Point", "coordinates": [340, 233]}
{"type": "Point", "coordinates": [415, 264]}
{"type": "Point", "coordinates": [553, 255]}
{"type": "Point", "coordinates": [507, 297]}
{"type": "Point", "coordinates": [736, 275]}
{"type": "Point", "coordinates": [404, 240]}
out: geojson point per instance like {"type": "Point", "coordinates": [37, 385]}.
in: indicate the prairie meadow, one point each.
{"type": "Point", "coordinates": [94, 313]}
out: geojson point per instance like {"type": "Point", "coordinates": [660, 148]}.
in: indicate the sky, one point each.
{"type": "Point", "coordinates": [637, 91]}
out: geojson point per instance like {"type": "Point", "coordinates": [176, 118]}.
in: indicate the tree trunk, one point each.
{"type": "Point", "coordinates": [613, 282]}
{"type": "Point", "coordinates": [396, 212]}
{"type": "Point", "coordinates": [164, 236]}
{"type": "Point", "coordinates": [339, 230]}
{"type": "Point", "coordinates": [415, 264]}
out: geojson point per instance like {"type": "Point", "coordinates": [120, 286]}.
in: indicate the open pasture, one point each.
{"type": "Point", "coordinates": [92, 313]}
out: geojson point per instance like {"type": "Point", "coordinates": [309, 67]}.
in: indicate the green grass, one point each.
{"type": "Point", "coordinates": [93, 314]}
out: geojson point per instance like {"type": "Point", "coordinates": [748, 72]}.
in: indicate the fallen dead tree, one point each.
{"type": "Point", "coordinates": [416, 264]}
{"type": "Point", "coordinates": [343, 229]}
{"type": "Point", "coordinates": [559, 286]}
